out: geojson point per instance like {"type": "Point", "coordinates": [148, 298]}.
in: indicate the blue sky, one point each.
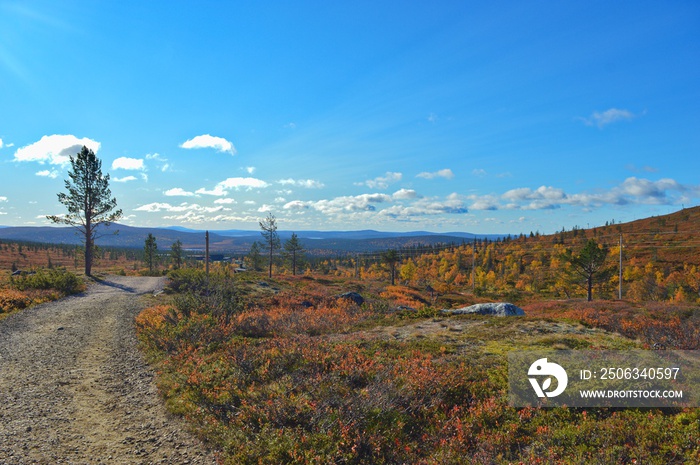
{"type": "Point", "coordinates": [485, 117]}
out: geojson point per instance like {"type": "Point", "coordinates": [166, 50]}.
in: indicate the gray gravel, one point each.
{"type": "Point", "coordinates": [74, 388]}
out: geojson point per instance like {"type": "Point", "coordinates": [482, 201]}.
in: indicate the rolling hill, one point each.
{"type": "Point", "coordinates": [235, 240]}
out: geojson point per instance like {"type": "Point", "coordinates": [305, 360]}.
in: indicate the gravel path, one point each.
{"type": "Point", "coordinates": [74, 388]}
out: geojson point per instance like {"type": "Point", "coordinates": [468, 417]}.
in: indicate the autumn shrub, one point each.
{"type": "Point", "coordinates": [59, 279]}
{"type": "Point", "coordinates": [216, 295]}
{"type": "Point", "coordinates": [671, 326]}
{"type": "Point", "coordinates": [12, 299]}
{"type": "Point", "coordinates": [405, 297]}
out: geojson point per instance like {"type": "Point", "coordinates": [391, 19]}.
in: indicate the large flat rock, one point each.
{"type": "Point", "coordinates": [495, 308]}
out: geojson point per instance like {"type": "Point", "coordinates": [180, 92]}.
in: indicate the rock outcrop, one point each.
{"type": "Point", "coordinates": [495, 308]}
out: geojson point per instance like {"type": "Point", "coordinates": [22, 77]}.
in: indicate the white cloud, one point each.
{"type": "Point", "coordinates": [3, 198]}
{"type": "Point", "coordinates": [631, 191]}
{"type": "Point", "coordinates": [126, 163]}
{"type": "Point", "coordinates": [125, 179]}
{"type": "Point", "coordinates": [55, 149]}
{"type": "Point", "coordinates": [486, 202]}
{"type": "Point", "coordinates": [382, 182]}
{"type": "Point", "coordinates": [444, 173]}
{"type": "Point", "coordinates": [53, 174]}
{"type": "Point", "coordinates": [164, 165]}
{"type": "Point", "coordinates": [209, 141]}
{"type": "Point", "coordinates": [217, 191]}
{"type": "Point", "coordinates": [453, 204]}
{"type": "Point", "coordinates": [226, 201]}
{"type": "Point", "coordinates": [178, 191]}
{"type": "Point", "coordinates": [606, 117]}
{"type": "Point", "coordinates": [238, 183]}
{"type": "Point", "coordinates": [340, 205]}
{"type": "Point", "coordinates": [479, 172]}
{"type": "Point", "coordinates": [250, 169]}
{"type": "Point", "coordinates": [404, 194]}
{"type": "Point", "coordinates": [297, 205]}
{"type": "Point", "coordinates": [183, 207]}
{"type": "Point", "coordinates": [265, 208]}
{"type": "Point", "coordinates": [0, 143]}
{"type": "Point", "coordinates": [307, 183]}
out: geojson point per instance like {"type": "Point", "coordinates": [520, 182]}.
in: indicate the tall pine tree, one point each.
{"type": "Point", "coordinates": [89, 201]}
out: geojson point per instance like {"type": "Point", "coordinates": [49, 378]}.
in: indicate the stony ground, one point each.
{"type": "Point", "coordinates": [74, 388]}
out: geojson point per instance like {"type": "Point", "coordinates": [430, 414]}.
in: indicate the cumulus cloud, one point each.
{"type": "Point", "coordinates": [226, 201]}
{"type": "Point", "coordinates": [218, 191]}
{"type": "Point", "coordinates": [183, 207]}
{"type": "Point", "coordinates": [3, 198]}
{"type": "Point", "coordinates": [307, 183]}
{"type": "Point", "coordinates": [404, 194]}
{"type": "Point", "coordinates": [382, 182]}
{"type": "Point", "coordinates": [452, 204]}
{"type": "Point", "coordinates": [209, 141]}
{"type": "Point", "coordinates": [444, 173]}
{"type": "Point", "coordinates": [0, 143]}
{"type": "Point", "coordinates": [609, 116]}
{"type": "Point", "coordinates": [340, 205]}
{"type": "Point", "coordinates": [221, 189]}
{"type": "Point", "coordinates": [485, 202]}
{"type": "Point", "coordinates": [55, 149]}
{"type": "Point", "coordinates": [126, 163]}
{"type": "Point", "coordinates": [53, 174]}
{"type": "Point", "coordinates": [125, 179]}
{"type": "Point", "coordinates": [631, 191]}
{"type": "Point", "coordinates": [239, 183]}
{"type": "Point", "coordinates": [178, 191]}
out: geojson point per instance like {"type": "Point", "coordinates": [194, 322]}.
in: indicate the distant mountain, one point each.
{"type": "Point", "coordinates": [358, 235]}
{"type": "Point", "coordinates": [236, 240]}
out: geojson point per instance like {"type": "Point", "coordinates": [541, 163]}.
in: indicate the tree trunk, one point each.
{"type": "Point", "coordinates": [589, 283]}
{"type": "Point", "coordinates": [270, 273]}
{"type": "Point", "coordinates": [88, 254]}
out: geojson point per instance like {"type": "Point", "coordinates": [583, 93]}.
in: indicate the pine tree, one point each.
{"type": "Point", "coordinates": [589, 263]}
{"type": "Point", "coordinates": [150, 252]}
{"type": "Point", "coordinates": [88, 201]}
{"type": "Point", "coordinates": [176, 254]}
{"type": "Point", "coordinates": [293, 247]}
{"type": "Point", "coordinates": [269, 232]}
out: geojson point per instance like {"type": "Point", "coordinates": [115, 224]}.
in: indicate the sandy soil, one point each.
{"type": "Point", "coordinates": [74, 388]}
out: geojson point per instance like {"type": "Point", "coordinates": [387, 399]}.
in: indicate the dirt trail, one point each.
{"type": "Point", "coordinates": [75, 390]}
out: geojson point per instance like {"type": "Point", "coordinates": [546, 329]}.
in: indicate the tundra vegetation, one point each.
{"type": "Point", "coordinates": [284, 371]}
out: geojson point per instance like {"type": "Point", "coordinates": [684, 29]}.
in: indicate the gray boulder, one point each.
{"type": "Point", "coordinates": [352, 296]}
{"type": "Point", "coordinates": [495, 308]}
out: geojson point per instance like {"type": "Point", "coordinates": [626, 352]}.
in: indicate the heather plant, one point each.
{"type": "Point", "coordinates": [298, 376]}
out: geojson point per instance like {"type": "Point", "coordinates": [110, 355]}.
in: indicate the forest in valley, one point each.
{"type": "Point", "coordinates": [655, 259]}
